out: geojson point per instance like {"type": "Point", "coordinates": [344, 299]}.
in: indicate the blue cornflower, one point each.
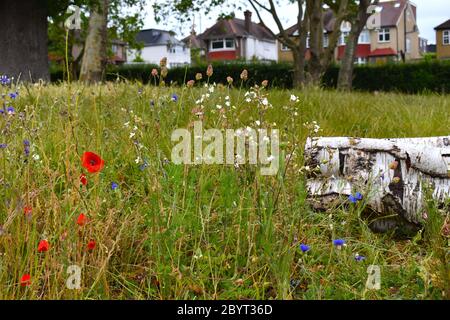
{"type": "Point", "coordinates": [352, 199]}
{"type": "Point", "coordinates": [26, 144]}
{"type": "Point", "coordinates": [359, 258]}
{"type": "Point", "coordinates": [144, 165]}
{"type": "Point", "coordinates": [2, 111]}
{"type": "Point", "coordinates": [13, 95]}
{"type": "Point", "coordinates": [174, 97]}
{"type": "Point", "coordinates": [304, 247]}
{"type": "Point", "coordinates": [339, 242]}
{"type": "Point", "coordinates": [10, 110]}
{"type": "Point", "coordinates": [4, 80]}
{"type": "Point", "coordinates": [355, 198]}
{"type": "Point", "coordinates": [114, 185]}
{"type": "Point", "coordinates": [3, 145]}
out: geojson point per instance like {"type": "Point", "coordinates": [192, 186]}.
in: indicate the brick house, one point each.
{"type": "Point", "coordinates": [232, 39]}
{"type": "Point", "coordinates": [443, 40]}
{"type": "Point", "coordinates": [396, 39]}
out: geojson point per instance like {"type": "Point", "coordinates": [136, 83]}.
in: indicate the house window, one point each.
{"type": "Point", "coordinates": [229, 43]}
{"type": "Point", "coordinates": [360, 60]}
{"type": "Point", "coordinates": [384, 35]}
{"type": "Point", "coordinates": [343, 38]}
{"type": "Point", "coordinates": [364, 37]}
{"type": "Point", "coordinates": [446, 37]}
{"type": "Point", "coordinates": [325, 40]}
{"type": "Point", "coordinates": [284, 47]}
{"type": "Point", "coordinates": [222, 44]}
{"type": "Point", "coordinates": [408, 45]}
{"type": "Point", "coordinates": [171, 50]}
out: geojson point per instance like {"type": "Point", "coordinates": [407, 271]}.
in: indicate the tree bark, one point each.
{"type": "Point", "coordinates": [345, 77]}
{"type": "Point", "coordinates": [316, 40]}
{"type": "Point", "coordinates": [321, 57]}
{"type": "Point", "coordinates": [300, 50]}
{"type": "Point", "coordinates": [333, 38]}
{"type": "Point", "coordinates": [23, 40]}
{"type": "Point", "coordinates": [390, 173]}
{"type": "Point", "coordinates": [95, 55]}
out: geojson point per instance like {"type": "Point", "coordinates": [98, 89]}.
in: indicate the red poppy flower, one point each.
{"type": "Point", "coordinates": [83, 179]}
{"type": "Point", "coordinates": [82, 219]}
{"type": "Point", "coordinates": [92, 162]}
{"type": "Point", "coordinates": [43, 246]}
{"type": "Point", "coordinates": [27, 211]}
{"type": "Point", "coordinates": [91, 245]}
{"type": "Point", "coordinates": [25, 280]}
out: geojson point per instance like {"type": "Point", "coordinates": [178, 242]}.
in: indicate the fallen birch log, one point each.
{"type": "Point", "coordinates": [391, 173]}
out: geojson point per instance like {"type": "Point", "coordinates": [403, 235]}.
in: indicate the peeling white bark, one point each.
{"type": "Point", "coordinates": [390, 172]}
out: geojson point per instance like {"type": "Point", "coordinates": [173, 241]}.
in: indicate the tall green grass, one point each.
{"type": "Point", "coordinates": [196, 232]}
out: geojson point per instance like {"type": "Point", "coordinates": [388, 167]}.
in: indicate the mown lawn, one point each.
{"type": "Point", "coordinates": [197, 231]}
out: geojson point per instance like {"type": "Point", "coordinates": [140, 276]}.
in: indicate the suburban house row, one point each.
{"type": "Point", "coordinates": [397, 39]}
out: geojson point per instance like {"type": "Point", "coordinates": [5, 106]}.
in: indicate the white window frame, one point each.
{"type": "Point", "coordinates": [342, 36]}
{"type": "Point", "coordinates": [224, 43]}
{"type": "Point", "coordinates": [408, 45]}
{"type": "Point", "coordinates": [366, 33]}
{"type": "Point", "coordinates": [326, 40]}
{"type": "Point", "coordinates": [446, 37]}
{"type": "Point", "coordinates": [383, 32]}
{"type": "Point", "coordinates": [360, 60]}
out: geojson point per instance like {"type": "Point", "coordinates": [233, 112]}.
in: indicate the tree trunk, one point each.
{"type": "Point", "coordinates": [321, 57]}
{"type": "Point", "coordinates": [23, 40]}
{"type": "Point", "coordinates": [390, 173]}
{"type": "Point", "coordinates": [299, 69]}
{"type": "Point", "coordinates": [316, 40]}
{"type": "Point", "coordinates": [94, 56]}
{"type": "Point", "coordinates": [333, 38]}
{"type": "Point", "coordinates": [345, 77]}
{"type": "Point", "coordinates": [299, 54]}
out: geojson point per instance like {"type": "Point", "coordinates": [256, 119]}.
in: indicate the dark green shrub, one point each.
{"type": "Point", "coordinates": [426, 76]}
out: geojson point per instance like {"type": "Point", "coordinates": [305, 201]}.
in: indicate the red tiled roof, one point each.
{"type": "Point", "coordinates": [383, 52]}
{"type": "Point", "coordinates": [236, 28]}
{"type": "Point", "coordinates": [328, 23]}
{"type": "Point", "coordinates": [390, 12]}
{"type": "Point", "coordinates": [194, 41]}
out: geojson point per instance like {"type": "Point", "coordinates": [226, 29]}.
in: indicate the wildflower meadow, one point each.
{"type": "Point", "coordinates": [93, 206]}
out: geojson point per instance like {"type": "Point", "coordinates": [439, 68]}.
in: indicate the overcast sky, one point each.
{"type": "Point", "coordinates": [430, 13]}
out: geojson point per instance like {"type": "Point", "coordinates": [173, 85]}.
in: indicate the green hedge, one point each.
{"type": "Point", "coordinates": [257, 72]}
{"type": "Point", "coordinates": [432, 76]}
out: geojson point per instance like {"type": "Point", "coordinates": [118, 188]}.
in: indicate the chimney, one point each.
{"type": "Point", "coordinates": [248, 20]}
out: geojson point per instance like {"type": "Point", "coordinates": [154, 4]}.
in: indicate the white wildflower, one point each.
{"type": "Point", "coordinates": [294, 98]}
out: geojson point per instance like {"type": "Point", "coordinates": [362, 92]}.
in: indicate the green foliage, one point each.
{"type": "Point", "coordinates": [402, 77]}
{"type": "Point", "coordinates": [121, 26]}
{"type": "Point", "coordinates": [433, 76]}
